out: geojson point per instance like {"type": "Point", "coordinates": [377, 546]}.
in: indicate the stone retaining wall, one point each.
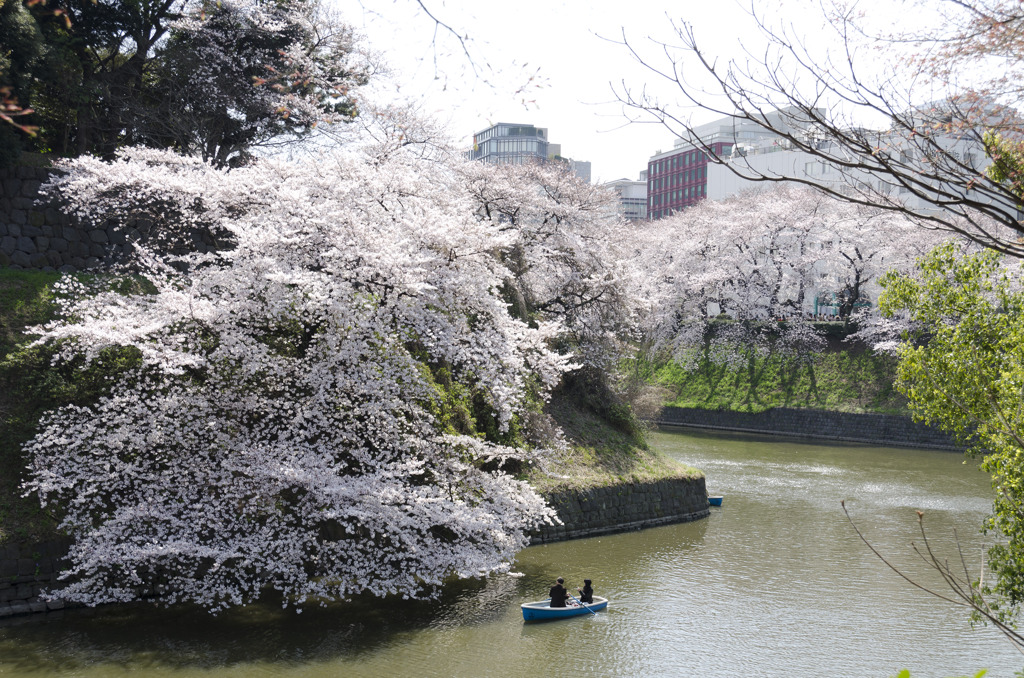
{"type": "Point", "coordinates": [879, 429]}
{"type": "Point", "coordinates": [24, 572]}
{"type": "Point", "coordinates": [619, 508]}
{"type": "Point", "coordinates": [35, 236]}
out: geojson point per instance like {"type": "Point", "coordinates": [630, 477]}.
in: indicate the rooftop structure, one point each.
{"type": "Point", "coordinates": [685, 175]}
{"type": "Point", "coordinates": [513, 144]}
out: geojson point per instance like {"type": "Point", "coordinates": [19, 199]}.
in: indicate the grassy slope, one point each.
{"type": "Point", "coordinates": [602, 451]}
{"type": "Point", "coordinates": [841, 378]}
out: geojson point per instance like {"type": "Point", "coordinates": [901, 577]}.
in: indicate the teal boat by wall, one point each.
{"type": "Point", "coordinates": [541, 611]}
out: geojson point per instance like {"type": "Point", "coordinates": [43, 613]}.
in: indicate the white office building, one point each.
{"type": "Point", "coordinates": [632, 204]}
{"type": "Point", "coordinates": [684, 176]}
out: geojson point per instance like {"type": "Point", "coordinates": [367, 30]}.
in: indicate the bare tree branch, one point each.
{"type": "Point", "coordinates": [961, 591]}
{"type": "Point", "coordinates": [812, 107]}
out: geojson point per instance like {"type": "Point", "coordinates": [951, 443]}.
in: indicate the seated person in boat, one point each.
{"type": "Point", "coordinates": [587, 592]}
{"type": "Point", "coordinates": [558, 593]}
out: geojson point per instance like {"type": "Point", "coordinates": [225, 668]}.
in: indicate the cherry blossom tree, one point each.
{"type": "Point", "coordinates": [291, 422]}
{"type": "Point", "coordinates": [571, 258]}
{"type": "Point", "coordinates": [765, 256]}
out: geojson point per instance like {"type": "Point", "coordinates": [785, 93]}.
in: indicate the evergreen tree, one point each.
{"type": "Point", "coordinates": [210, 79]}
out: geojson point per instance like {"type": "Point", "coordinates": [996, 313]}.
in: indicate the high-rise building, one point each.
{"type": "Point", "coordinates": [580, 168]}
{"type": "Point", "coordinates": [517, 143]}
{"type": "Point", "coordinates": [513, 144]}
{"type": "Point", "coordinates": [678, 178]}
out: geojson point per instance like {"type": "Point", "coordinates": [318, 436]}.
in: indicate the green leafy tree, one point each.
{"type": "Point", "coordinates": [962, 368]}
{"type": "Point", "coordinates": [21, 51]}
{"type": "Point", "coordinates": [226, 82]}
{"type": "Point", "coordinates": [1007, 166]}
{"type": "Point", "coordinates": [213, 79]}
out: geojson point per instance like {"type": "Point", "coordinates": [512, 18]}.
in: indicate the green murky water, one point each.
{"type": "Point", "coordinates": [774, 583]}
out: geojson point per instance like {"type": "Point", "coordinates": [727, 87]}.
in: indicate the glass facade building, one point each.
{"type": "Point", "coordinates": [513, 144]}
{"type": "Point", "coordinates": [518, 144]}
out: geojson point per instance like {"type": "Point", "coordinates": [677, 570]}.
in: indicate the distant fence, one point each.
{"type": "Point", "coordinates": [879, 429]}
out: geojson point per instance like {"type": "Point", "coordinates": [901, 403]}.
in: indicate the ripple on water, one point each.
{"type": "Point", "coordinates": [774, 583]}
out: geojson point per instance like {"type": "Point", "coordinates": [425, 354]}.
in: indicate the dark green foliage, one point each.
{"type": "Point", "coordinates": [453, 405]}
{"type": "Point", "coordinates": [110, 73]}
{"type": "Point", "coordinates": [461, 409]}
{"type": "Point", "coordinates": [31, 384]}
{"type": "Point", "coordinates": [589, 389]}
{"type": "Point", "coordinates": [203, 101]}
{"type": "Point", "coordinates": [25, 301]}
{"type": "Point", "coordinates": [21, 53]}
{"type": "Point", "coordinates": [600, 453]}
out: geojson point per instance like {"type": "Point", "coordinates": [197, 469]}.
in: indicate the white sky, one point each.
{"type": "Point", "coordinates": [566, 45]}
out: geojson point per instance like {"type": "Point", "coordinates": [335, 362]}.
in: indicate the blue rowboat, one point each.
{"type": "Point", "coordinates": [542, 611]}
{"type": "Point", "coordinates": [715, 501]}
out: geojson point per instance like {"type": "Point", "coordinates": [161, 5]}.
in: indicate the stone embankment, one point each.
{"type": "Point", "coordinates": [24, 572]}
{"type": "Point", "coordinates": [876, 429]}
{"type": "Point", "coordinates": [37, 236]}
{"type": "Point", "coordinates": [619, 508]}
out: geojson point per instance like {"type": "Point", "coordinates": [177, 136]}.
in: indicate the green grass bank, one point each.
{"type": "Point", "coordinates": [27, 389]}
{"type": "Point", "coordinates": [845, 377]}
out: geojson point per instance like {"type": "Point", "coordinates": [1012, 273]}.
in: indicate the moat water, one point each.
{"type": "Point", "coordinates": [773, 583]}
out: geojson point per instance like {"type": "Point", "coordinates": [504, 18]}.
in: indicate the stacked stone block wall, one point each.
{"type": "Point", "coordinates": [878, 429]}
{"type": "Point", "coordinates": [628, 506]}
{"type": "Point", "coordinates": [25, 571]}
{"type": "Point", "coordinates": [39, 236]}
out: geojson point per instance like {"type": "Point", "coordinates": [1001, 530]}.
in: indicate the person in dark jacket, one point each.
{"type": "Point", "coordinates": [558, 593]}
{"type": "Point", "coordinates": [587, 592]}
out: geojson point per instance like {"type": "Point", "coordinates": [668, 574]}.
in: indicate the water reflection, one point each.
{"type": "Point", "coordinates": [143, 635]}
{"type": "Point", "coordinates": [775, 583]}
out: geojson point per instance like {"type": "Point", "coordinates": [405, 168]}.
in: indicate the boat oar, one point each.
{"type": "Point", "coordinates": [581, 603]}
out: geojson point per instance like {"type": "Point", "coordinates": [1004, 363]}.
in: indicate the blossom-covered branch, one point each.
{"type": "Point", "coordinates": [287, 425]}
